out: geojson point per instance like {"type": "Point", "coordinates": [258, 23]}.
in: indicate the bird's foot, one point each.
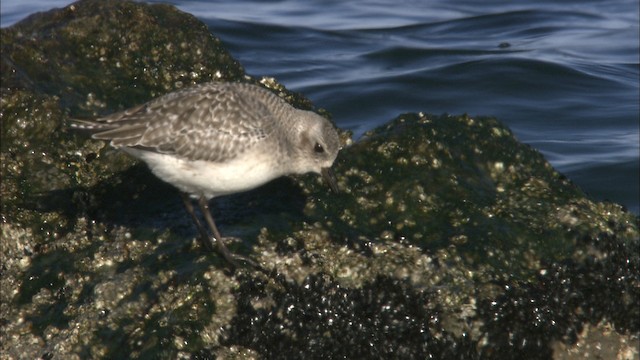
{"type": "Point", "coordinates": [234, 261]}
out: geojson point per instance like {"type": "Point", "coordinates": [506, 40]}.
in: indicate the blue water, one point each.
{"type": "Point", "coordinates": [563, 75]}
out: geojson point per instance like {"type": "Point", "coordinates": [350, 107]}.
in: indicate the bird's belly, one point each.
{"type": "Point", "coordinates": [211, 178]}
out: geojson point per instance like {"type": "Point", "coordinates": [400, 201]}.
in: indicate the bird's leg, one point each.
{"type": "Point", "coordinates": [220, 247]}
{"type": "Point", "coordinates": [216, 243]}
{"type": "Point", "coordinates": [204, 238]}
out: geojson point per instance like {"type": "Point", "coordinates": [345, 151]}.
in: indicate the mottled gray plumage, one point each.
{"type": "Point", "coordinates": [220, 138]}
{"type": "Point", "coordinates": [217, 123]}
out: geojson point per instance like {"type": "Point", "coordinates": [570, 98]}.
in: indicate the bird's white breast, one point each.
{"type": "Point", "coordinates": [211, 179]}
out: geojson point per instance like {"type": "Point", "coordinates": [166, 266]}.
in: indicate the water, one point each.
{"type": "Point", "coordinates": [564, 76]}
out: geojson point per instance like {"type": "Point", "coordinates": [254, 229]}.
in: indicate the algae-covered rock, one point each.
{"type": "Point", "coordinates": [97, 55]}
{"type": "Point", "coordinates": [442, 181]}
{"type": "Point", "coordinates": [448, 239]}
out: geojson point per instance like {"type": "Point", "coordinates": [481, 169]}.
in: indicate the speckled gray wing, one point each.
{"type": "Point", "coordinates": [212, 122]}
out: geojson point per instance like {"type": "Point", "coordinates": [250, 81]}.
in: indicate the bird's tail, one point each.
{"type": "Point", "coordinates": [89, 126]}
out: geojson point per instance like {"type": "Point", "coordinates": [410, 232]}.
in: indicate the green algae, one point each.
{"type": "Point", "coordinates": [441, 181]}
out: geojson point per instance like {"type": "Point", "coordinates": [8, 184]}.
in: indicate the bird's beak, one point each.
{"type": "Point", "coordinates": [330, 178]}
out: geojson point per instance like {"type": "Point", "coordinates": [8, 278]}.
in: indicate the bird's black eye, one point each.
{"type": "Point", "coordinates": [318, 148]}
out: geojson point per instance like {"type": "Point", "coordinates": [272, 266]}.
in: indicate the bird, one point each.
{"type": "Point", "coordinates": [220, 138]}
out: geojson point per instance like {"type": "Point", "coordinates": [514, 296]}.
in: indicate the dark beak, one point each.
{"type": "Point", "coordinates": [330, 178]}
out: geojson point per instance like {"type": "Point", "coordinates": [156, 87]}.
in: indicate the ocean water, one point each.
{"type": "Point", "coordinates": [564, 76]}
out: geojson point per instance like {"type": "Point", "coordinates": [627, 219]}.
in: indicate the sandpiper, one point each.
{"type": "Point", "coordinates": [216, 139]}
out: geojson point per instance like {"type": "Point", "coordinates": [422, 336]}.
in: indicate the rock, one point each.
{"type": "Point", "coordinates": [449, 239]}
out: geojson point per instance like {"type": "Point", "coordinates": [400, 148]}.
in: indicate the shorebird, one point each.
{"type": "Point", "coordinates": [217, 139]}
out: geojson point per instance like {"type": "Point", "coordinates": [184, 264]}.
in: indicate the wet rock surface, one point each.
{"type": "Point", "coordinates": [449, 238]}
